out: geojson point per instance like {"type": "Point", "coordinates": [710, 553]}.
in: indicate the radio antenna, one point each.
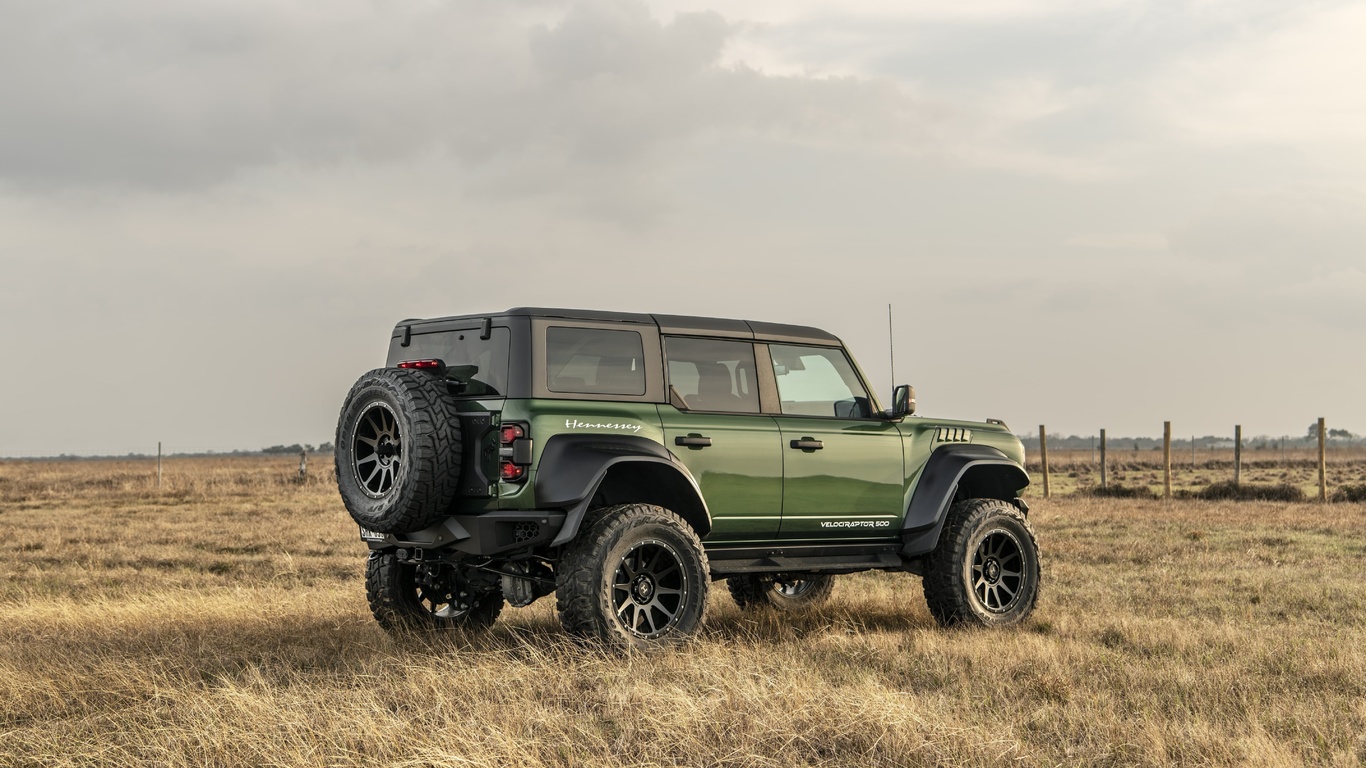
{"type": "Point", "coordinates": [891, 347]}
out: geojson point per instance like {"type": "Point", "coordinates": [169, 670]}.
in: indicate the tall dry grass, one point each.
{"type": "Point", "coordinates": [222, 621]}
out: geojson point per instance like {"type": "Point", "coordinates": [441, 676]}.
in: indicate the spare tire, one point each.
{"type": "Point", "coordinates": [398, 450]}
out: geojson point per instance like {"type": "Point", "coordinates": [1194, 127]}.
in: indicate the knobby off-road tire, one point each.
{"type": "Point", "coordinates": [635, 577]}
{"type": "Point", "coordinates": [405, 599]}
{"type": "Point", "coordinates": [985, 571]}
{"type": "Point", "coordinates": [756, 591]}
{"type": "Point", "coordinates": [398, 450]}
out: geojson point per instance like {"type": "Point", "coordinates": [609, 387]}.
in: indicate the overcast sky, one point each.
{"type": "Point", "coordinates": [1087, 213]}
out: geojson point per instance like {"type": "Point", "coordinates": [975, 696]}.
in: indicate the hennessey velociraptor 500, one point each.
{"type": "Point", "coordinates": [623, 462]}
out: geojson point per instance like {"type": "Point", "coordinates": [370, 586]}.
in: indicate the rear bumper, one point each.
{"type": "Point", "coordinates": [491, 533]}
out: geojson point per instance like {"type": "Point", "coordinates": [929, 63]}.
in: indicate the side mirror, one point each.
{"type": "Point", "coordinates": [903, 401]}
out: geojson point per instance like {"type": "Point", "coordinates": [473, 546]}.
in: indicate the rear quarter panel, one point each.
{"type": "Point", "coordinates": [548, 417]}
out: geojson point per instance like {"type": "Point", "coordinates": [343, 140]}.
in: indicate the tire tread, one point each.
{"type": "Point", "coordinates": [433, 451]}
{"type": "Point", "coordinates": [945, 593]}
{"type": "Point", "coordinates": [579, 570]}
{"type": "Point", "coordinates": [388, 583]}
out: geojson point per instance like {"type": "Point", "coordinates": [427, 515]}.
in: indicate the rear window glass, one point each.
{"type": "Point", "coordinates": [594, 361]}
{"type": "Point", "coordinates": [480, 364]}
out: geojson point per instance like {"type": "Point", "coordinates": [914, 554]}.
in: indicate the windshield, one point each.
{"type": "Point", "coordinates": [481, 365]}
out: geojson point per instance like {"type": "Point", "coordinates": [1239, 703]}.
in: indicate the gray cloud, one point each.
{"type": "Point", "coordinates": [624, 40]}
{"type": "Point", "coordinates": [161, 94]}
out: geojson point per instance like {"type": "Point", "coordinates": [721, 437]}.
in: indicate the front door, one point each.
{"type": "Point", "coordinates": [713, 425]}
{"type": "Point", "coordinates": [843, 469]}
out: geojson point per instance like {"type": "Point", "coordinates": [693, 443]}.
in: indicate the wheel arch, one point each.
{"type": "Point", "coordinates": [990, 480]}
{"type": "Point", "coordinates": [578, 471]}
{"type": "Point", "coordinates": [953, 473]}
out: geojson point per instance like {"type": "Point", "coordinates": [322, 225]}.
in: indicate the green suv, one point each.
{"type": "Point", "coordinates": [623, 462]}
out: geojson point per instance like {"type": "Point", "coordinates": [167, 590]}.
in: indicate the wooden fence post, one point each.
{"type": "Point", "coordinates": [1237, 454]}
{"type": "Point", "coordinates": [1323, 460]}
{"type": "Point", "coordinates": [1166, 459]}
{"type": "Point", "coordinates": [1043, 458]}
{"type": "Point", "coordinates": [1103, 483]}
{"type": "Point", "coordinates": [158, 463]}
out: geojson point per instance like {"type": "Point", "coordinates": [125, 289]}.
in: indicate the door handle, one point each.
{"type": "Point", "coordinates": [808, 444]}
{"type": "Point", "coordinates": [693, 441]}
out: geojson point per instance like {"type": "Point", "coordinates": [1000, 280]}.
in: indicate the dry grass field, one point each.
{"type": "Point", "coordinates": [221, 620]}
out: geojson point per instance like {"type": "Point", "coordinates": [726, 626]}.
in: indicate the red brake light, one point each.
{"type": "Point", "coordinates": [514, 450]}
{"type": "Point", "coordinates": [421, 365]}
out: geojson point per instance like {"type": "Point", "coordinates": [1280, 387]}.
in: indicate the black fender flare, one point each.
{"type": "Point", "coordinates": [939, 483]}
{"type": "Point", "coordinates": [572, 468]}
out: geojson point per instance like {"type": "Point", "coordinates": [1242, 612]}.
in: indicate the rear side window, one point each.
{"type": "Point", "coordinates": [712, 375]}
{"type": "Point", "coordinates": [594, 361]}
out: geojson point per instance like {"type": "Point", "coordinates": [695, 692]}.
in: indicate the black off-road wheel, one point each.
{"type": "Point", "coordinates": [796, 592]}
{"type": "Point", "coordinates": [635, 577]}
{"type": "Point", "coordinates": [407, 598]}
{"type": "Point", "coordinates": [398, 450]}
{"type": "Point", "coordinates": [985, 571]}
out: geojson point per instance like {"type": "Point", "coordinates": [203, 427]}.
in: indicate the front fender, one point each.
{"type": "Point", "coordinates": [993, 475]}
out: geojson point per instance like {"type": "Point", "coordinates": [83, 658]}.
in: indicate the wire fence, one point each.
{"type": "Point", "coordinates": [1328, 456]}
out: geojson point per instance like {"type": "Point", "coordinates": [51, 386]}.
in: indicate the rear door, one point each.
{"type": "Point", "coordinates": [714, 426]}
{"type": "Point", "coordinates": [843, 471]}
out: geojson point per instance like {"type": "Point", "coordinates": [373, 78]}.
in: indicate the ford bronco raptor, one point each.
{"type": "Point", "coordinates": [623, 462]}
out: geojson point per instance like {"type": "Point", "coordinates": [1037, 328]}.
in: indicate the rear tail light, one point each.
{"type": "Point", "coordinates": [514, 452]}
{"type": "Point", "coordinates": [423, 365]}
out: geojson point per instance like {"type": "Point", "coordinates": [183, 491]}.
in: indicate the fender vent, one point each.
{"type": "Point", "coordinates": [952, 435]}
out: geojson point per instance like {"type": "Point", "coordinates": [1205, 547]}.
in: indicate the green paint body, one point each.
{"type": "Point", "coordinates": [757, 487]}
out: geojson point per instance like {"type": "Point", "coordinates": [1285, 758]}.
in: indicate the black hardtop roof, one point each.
{"type": "Point", "coordinates": [668, 324]}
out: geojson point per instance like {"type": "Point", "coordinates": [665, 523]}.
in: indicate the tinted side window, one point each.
{"type": "Point", "coordinates": [594, 361]}
{"type": "Point", "coordinates": [818, 381]}
{"type": "Point", "coordinates": [713, 375]}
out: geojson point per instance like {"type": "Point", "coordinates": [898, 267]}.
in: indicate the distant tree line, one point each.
{"type": "Point", "coordinates": [1058, 441]}
{"type": "Point", "coordinates": [297, 448]}
{"type": "Point", "coordinates": [274, 450]}
{"type": "Point", "coordinates": [1336, 434]}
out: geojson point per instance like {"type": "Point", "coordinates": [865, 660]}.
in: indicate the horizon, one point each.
{"type": "Point", "coordinates": [1250, 442]}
